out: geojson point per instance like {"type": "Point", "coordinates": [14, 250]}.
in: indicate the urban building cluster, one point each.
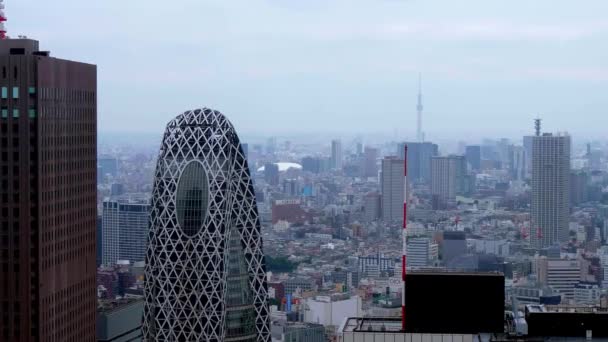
{"type": "Point", "coordinates": [331, 217]}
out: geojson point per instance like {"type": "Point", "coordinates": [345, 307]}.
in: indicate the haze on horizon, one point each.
{"type": "Point", "coordinates": [344, 66]}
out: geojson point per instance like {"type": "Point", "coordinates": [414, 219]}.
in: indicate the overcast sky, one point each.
{"type": "Point", "coordinates": [343, 66]}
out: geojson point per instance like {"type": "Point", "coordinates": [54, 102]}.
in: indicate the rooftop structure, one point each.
{"type": "Point", "coordinates": [120, 320]}
{"type": "Point", "coordinates": [284, 166]}
{"type": "Point", "coordinates": [379, 329]}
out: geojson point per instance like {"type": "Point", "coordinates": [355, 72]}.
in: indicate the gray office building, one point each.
{"type": "Point", "coordinates": [125, 230]}
{"type": "Point", "coordinates": [336, 154]}
{"type": "Point", "coordinates": [108, 165]}
{"type": "Point", "coordinates": [392, 179]}
{"type": "Point", "coordinates": [473, 157]}
{"type": "Point", "coordinates": [120, 320]}
{"type": "Point", "coordinates": [528, 155]}
{"type": "Point", "coordinates": [370, 168]}
{"type": "Point", "coordinates": [448, 179]}
{"type": "Point", "coordinates": [298, 332]}
{"type": "Point", "coordinates": [517, 162]}
{"type": "Point", "coordinates": [550, 189]}
{"type": "Point", "coordinates": [372, 206]}
{"type": "Point", "coordinates": [418, 160]}
{"type": "Point", "coordinates": [454, 245]}
{"type": "Point", "coordinates": [293, 284]}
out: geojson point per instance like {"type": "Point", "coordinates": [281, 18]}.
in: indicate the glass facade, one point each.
{"type": "Point", "coordinates": [192, 198]}
{"type": "Point", "coordinates": [240, 313]}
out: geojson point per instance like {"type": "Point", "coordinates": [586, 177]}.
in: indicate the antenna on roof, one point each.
{"type": "Point", "coordinates": [537, 126]}
{"type": "Point", "coordinates": [2, 20]}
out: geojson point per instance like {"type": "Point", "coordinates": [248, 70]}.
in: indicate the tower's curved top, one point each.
{"type": "Point", "coordinates": [201, 116]}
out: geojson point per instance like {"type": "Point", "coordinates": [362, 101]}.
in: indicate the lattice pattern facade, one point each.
{"type": "Point", "coordinates": [203, 194]}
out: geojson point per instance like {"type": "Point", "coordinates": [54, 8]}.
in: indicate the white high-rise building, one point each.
{"type": "Point", "coordinates": [550, 189]}
{"type": "Point", "coordinates": [418, 252]}
{"type": "Point", "coordinates": [125, 227]}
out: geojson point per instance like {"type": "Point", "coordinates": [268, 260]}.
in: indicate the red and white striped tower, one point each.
{"type": "Point", "coordinates": [2, 21]}
{"type": "Point", "coordinates": [404, 256]}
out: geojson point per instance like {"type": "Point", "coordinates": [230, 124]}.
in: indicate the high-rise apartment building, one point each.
{"type": "Point", "coordinates": [550, 189]}
{"type": "Point", "coordinates": [336, 154]}
{"type": "Point", "coordinates": [205, 277]}
{"type": "Point", "coordinates": [517, 162]}
{"type": "Point", "coordinates": [579, 187]}
{"type": "Point", "coordinates": [418, 160]}
{"type": "Point", "coordinates": [370, 159]}
{"type": "Point", "coordinates": [392, 189]}
{"type": "Point", "coordinates": [271, 174]}
{"type": "Point", "coordinates": [448, 179]}
{"type": "Point", "coordinates": [372, 204]}
{"type": "Point", "coordinates": [528, 155]}
{"type": "Point", "coordinates": [125, 230]}
{"type": "Point", "coordinates": [473, 157]}
{"type": "Point", "coordinates": [48, 149]}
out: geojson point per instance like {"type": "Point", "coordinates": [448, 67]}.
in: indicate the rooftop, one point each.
{"type": "Point", "coordinates": [565, 309]}
{"type": "Point", "coordinates": [284, 166]}
{"type": "Point", "coordinates": [372, 324]}
{"type": "Point", "coordinates": [107, 306]}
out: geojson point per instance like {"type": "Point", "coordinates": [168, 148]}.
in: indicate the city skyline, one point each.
{"type": "Point", "coordinates": [472, 64]}
{"type": "Point", "coordinates": [340, 189]}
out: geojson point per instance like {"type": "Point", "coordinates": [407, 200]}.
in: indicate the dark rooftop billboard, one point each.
{"type": "Point", "coordinates": [458, 303]}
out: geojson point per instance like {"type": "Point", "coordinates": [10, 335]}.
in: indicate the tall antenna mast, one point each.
{"type": "Point", "coordinates": [419, 107]}
{"type": "Point", "coordinates": [404, 242]}
{"type": "Point", "coordinates": [2, 21]}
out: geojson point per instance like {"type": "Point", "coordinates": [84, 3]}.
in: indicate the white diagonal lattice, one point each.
{"type": "Point", "coordinates": [185, 277]}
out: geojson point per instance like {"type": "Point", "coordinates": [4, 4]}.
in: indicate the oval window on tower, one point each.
{"type": "Point", "coordinates": [192, 198]}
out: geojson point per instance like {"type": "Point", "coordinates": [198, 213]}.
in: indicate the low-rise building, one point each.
{"type": "Point", "coordinates": [331, 310]}
{"type": "Point", "coordinates": [297, 332]}
{"type": "Point", "coordinates": [120, 320]}
{"type": "Point", "coordinates": [587, 293]}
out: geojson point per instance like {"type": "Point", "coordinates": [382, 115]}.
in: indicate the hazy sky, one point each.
{"type": "Point", "coordinates": [343, 66]}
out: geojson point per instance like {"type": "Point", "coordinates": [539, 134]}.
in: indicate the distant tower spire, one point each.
{"type": "Point", "coordinates": [2, 20]}
{"type": "Point", "coordinates": [419, 134]}
{"type": "Point", "coordinates": [537, 126]}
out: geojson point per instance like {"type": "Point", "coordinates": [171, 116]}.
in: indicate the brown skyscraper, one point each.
{"type": "Point", "coordinates": [48, 119]}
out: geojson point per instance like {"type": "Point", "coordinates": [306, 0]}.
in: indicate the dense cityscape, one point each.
{"type": "Point", "coordinates": [200, 232]}
{"type": "Point", "coordinates": [332, 217]}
